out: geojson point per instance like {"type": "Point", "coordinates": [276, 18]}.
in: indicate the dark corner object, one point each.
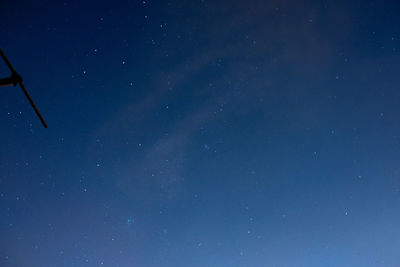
{"type": "Point", "coordinates": [15, 79]}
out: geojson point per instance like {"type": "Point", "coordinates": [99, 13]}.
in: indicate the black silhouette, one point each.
{"type": "Point", "coordinates": [15, 79]}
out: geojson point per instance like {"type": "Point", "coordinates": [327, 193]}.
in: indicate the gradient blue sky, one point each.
{"type": "Point", "coordinates": [201, 133]}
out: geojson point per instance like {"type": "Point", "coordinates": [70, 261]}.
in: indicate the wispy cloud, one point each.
{"type": "Point", "coordinates": [254, 36]}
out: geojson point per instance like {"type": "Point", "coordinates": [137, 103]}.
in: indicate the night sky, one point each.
{"type": "Point", "coordinates": [201, 133]}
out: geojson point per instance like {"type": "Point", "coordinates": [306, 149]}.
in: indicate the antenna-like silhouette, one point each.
{"type": "Point", "coordinates": [15, 79]}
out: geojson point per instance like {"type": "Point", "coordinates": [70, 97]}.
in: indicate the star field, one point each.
{"type": "Point", "coordinates": [201, 133]}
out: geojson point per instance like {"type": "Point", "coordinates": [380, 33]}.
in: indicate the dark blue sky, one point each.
{"type": "Point", "coordinates": [201, 133]}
